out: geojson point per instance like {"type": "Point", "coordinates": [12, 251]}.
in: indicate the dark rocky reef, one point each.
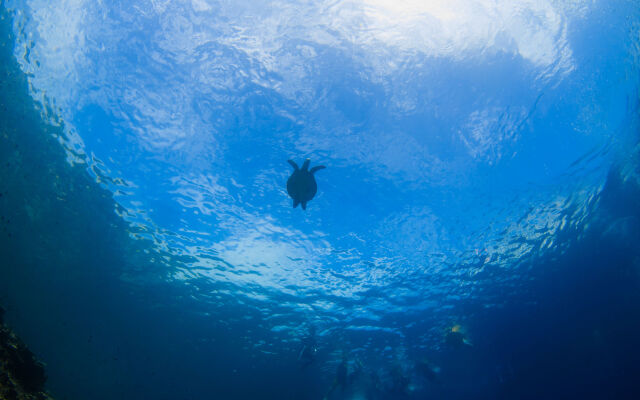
{"type": "Point", "coordinates": [22, 377]}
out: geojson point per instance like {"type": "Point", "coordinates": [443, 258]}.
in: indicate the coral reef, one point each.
{"type": "Point", "coordinates": [22, 377]}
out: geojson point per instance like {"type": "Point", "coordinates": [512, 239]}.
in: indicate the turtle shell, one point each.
{"type": "Point", "coordinates": [302, 186]}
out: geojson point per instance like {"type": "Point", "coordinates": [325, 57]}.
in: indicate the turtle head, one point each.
{"type": "Point", "coordinates": [305, 166]}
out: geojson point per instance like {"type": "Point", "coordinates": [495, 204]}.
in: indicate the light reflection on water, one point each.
{"type": "Point", "coordinates": [453, 140]}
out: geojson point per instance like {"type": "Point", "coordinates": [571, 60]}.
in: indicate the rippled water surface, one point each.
{"type": "Point", "coordinates": [473, 149]}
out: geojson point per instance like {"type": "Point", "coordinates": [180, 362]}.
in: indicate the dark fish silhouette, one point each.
{"type": "Point", "coordinates": [301, 185]}
{"type": "Point", "coordinates": [428, 371]}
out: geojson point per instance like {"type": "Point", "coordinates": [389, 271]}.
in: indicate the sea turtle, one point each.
{"type": "Point", "coordinates": [301, 185]}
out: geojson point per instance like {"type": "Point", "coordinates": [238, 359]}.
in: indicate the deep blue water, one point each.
{"type": "Point", "coordinates": [482, 182]}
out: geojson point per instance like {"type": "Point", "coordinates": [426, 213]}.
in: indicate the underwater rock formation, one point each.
{"type": "Point", "coordinates": [22, 377]}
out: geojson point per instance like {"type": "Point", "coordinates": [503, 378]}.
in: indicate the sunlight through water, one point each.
{"type": "Point", "coordinates": [434, 119]}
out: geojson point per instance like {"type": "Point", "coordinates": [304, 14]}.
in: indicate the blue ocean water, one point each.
{"type": "Point", "coordinates": [474, 235]}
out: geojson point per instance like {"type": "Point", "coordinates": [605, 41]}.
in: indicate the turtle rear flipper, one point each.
{"type": "Point", "coordinates": [295, 204]}
{"type": "Point", "coordinates": [304, 205]}
{"type": "Point", "coordinates": [317, 168]}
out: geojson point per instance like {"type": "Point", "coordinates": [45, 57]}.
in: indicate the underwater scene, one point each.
{"type": "Point", "coordinates": [292, 199]}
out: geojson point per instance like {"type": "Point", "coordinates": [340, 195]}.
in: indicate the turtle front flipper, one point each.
{"type": "Point", "coordinates": [305, 166]}
{"type": "Point", "coordinates": [317, 168]}
{"type": "Point", "coordinates": [295, 204]}
{"type": "Point", "coordinates": [293, 164]}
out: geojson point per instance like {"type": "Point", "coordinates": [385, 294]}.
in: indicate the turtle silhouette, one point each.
{"type": "Point", "coordinates": [301, 185]}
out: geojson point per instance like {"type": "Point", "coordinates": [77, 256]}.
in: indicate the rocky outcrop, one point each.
{"type": "Point", "coordinates": [22, 377]}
